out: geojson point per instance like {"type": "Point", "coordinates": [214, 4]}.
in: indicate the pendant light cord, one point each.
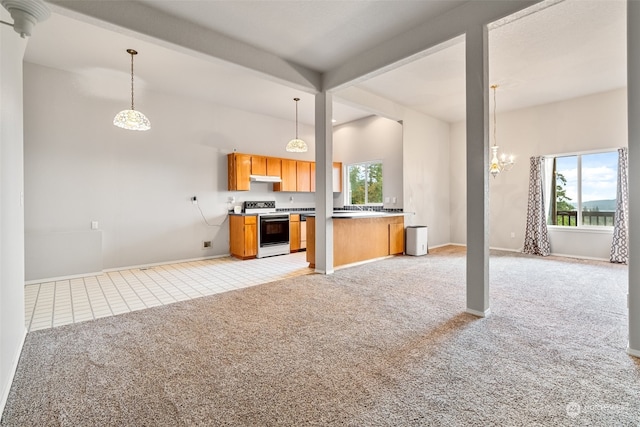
{"type": "Point", "coordinates": [296, 99]}
{"type": "Point", "coordinates": [132, 80]}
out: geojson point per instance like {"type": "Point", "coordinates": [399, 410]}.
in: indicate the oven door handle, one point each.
{"type": "Point", "coordinates": [274, 220]}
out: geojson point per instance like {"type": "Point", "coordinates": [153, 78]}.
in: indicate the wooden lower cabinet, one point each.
{"type": "Point", "coordinates": [294, 232]}
{"type": "Point", "coordinates": [360, 239]}
{"type": "Point", "coordinates": [396, 238]}
{"type": "Point", "coordinates": [243, 236]}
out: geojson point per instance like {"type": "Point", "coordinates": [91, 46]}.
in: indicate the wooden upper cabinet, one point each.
{"type": "Point", "coordinates": [337, 177]}
{"type": "Point", "coordinates": [274, 166]}
{"type": "Point", "coordinates": [238, 170]}
{"type": "Point", "coordinates": [258, 165]}
{"type": "Point", "coordinates": [289, 176]}
{"type": "Point", "coordinates": [303, 174]}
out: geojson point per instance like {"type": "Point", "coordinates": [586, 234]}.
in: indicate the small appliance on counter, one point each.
{"type": "Point", "coordinates": [273, 228]}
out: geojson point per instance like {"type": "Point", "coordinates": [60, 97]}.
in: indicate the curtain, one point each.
{"type": "Point", "coordinates": [536, 239]}
{"type": "Point", "coordinates": [620, 244]}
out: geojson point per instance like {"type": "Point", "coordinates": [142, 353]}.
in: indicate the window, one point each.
{"type": "Point", "coordinates": [365, 183]}
{"type": "Point", "coordinates": [583, 190]}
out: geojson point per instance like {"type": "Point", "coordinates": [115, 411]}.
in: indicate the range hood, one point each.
{"type": "Point", "coordinates": [264, 178]}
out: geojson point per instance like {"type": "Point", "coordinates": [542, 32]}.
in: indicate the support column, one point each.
{"type": "Point", "coordinates": [477, 80]}
{"type": "Point", "coordinates": [633, 105]}
{"type": "Point", "coordinates": [324, 183]}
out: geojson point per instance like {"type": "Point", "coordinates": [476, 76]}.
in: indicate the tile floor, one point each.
{"type": "Point", "coordinates": [51, 304]}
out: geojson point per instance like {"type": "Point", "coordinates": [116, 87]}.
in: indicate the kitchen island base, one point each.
{"type": "Point", "coordinates": [360, 239]}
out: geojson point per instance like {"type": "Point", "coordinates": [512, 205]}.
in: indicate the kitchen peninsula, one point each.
{"type": "Point", "coordinates": [360, 236]}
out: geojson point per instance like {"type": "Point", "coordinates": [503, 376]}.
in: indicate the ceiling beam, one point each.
{"type": "Point", "coordinates": [419, 41]}
{"type": "Point", "coordinates": [139, 20]}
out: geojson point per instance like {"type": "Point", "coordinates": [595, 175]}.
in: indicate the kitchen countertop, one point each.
{"type": "Point", "coordinates": [337, 214]}
{"type": "Point", "coordinates": [363, 214]}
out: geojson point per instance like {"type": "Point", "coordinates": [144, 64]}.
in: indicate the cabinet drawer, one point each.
{"type": "Point", "coordinates": [253, 219]}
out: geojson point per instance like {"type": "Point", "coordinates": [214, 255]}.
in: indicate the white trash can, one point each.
{"type": "Point", "coordinates": [416, 240]}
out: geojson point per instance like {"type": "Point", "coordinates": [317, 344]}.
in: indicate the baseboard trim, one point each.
{"type": "Point", "coordinates": [580, 257]}
{"type": "Point", "coordinates": [632, 352]}
{"type": "Point", "coordinates": [131, 267]}
{"type": "Point", "coordinates": [367, 261]}
{"type": "Point", "coordinates": [323, 271]}
{"type": "Point", "coordinates": [14, 368]}
{"type": "Point", "coordinates": [477, 313]}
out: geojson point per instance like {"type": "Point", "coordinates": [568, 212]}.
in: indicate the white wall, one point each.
{"type": "Point", "coordinates": [372, 139]}
{"type": "Point", "coordinates": [12, 329]}
{"type": "Point", "coordinates": [426, 175]}
{"type": "Point", "coordinates": [593, 122]}
{"type": "Point", "coordinates": [80, 168]}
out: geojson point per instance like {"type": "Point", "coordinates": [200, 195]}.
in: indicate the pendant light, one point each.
{"type": "Point", "coordinates": [503, 162]}
{"type": "Point", "coordinates": [297, 145]}
{"type": "Point", "coordinates": [132, 119]}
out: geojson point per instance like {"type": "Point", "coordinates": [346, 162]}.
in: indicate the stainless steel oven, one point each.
{"type": "Point", "coordinates": [273, 234]}
{"type": "Point", "coordinates": [273, 228]}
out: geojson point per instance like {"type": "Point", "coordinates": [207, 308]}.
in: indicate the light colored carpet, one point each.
{"type": "Point", "coordinates": [387, 343]}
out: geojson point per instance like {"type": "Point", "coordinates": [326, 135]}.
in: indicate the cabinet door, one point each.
{"type": "Point", "coordinates": [258, 165]}
{"type": "Point", "coordinates": [303, 234]}
{"type": "Point", "coordinates": [303, 176]}
{"type": "Point", "coordinates": [337, 177]}
{"type": "Point", "coordinates": [289, 176]}
{"type": "Point", "coordinates": [274, 166]}
{"type": "Point", "coordinates": [396, 238]}
{"type": "Point", "coordinates": [294, 232]}
{"type": "Point", "coordinates": [313, 177]}
{"type": "Point", "coordinates": [239, 169]}
{"type": "Point", "coordinates": [243, 236]}
{"type": "Point", "coordinates": [250, 240]}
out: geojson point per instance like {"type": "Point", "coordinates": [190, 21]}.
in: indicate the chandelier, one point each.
{"type": "Point", "coordinates": [502, 162]}
{"type": "Point", "coordinates": [297, 145]}
{"type": "Point", "coordinates": [131, 119]}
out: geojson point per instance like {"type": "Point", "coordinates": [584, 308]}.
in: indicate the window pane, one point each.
{"type": "Point", "coordinates": [599, 178]}
{"type": "Point", "coordinates": [374, 183]}
{"type": "Point", "coordinates": [357, 184]}
{"type": "Point", "coordinates": [566, 191]}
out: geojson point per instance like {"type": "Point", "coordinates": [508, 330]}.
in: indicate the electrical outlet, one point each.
{"type": "Point", "coordinates": [194, 200]}
{"type": "Point", "coordinates": [513, 235]}
{"type": "Point", "coordinates": [94, 225]}
{"type": "Point", "coordinates": [206, 244]}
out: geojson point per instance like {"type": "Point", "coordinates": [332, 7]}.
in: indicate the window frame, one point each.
{"type": "Point", "coordinates": [548, 187]}
{"type": "Point", "coordinates": [348, 199]}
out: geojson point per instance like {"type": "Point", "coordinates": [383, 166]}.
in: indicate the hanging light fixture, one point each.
{"type": "Point", "coordinates": [132, 119]}
{"type": "Point", "coordinates": [504, 162]}
{"type": "Point", "coordinates": [297, 145]}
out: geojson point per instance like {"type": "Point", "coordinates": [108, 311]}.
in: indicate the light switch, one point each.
{"type": "Point", "coordinates": [94, 225]}
{"type": "Point", "coordinates": [386, 200]}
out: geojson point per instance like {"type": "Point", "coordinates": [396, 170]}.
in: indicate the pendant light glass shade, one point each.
{"type": "Point", "coordinates": [297, 145]}
{"type": "Point", "coordinates": [131, 119]}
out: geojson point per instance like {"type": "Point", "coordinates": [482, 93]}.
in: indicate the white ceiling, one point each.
{"type": "Point", "coordinates": [570, 49]}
